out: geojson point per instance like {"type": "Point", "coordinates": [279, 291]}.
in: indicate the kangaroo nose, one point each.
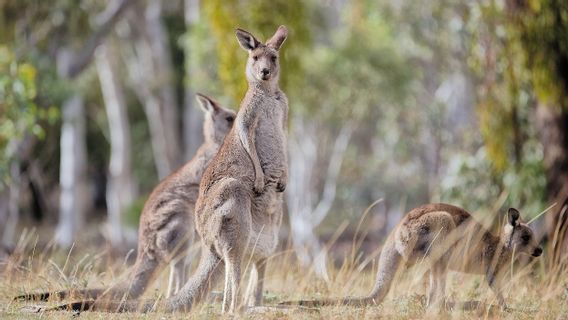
{"type": "Point", "coordinates": [537, 252]}
{"type": "Point", "coordinates": [265, 72]}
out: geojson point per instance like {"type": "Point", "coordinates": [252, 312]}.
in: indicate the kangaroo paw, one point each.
{"type": "Point", "coordinates": [259, 185]}
{"type": "Point", "coordinates": [281, 186]}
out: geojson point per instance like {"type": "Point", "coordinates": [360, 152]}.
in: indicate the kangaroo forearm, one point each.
{"type": "Point", "coordinates": [255, 160]}
{"type": "Point", "coordinates": [247, 137]}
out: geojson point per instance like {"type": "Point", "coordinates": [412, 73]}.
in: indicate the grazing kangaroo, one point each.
{"type": "Point", "coordinates": [166, 222]}
{"type": "Point", "coordinates": [446, 238]}
{"type": "Point", "coordinates": [239, 208]}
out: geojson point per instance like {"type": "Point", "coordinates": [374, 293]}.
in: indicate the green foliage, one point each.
{"type": "Point", "coordinates": [20, 115]}
{"type": "Point", "coordinates": [496, 63]}
{"type": "Point", "coordinates": [30, 89]}
{"type": "Point", "coordinates": [359, 72]}
{"type": "Point", "coordinates": [471, 182]}
{"type": "Point", "coordinates": [543, 26]}
{"type": "Point", "coordinates": [511, 159]}
{"type": "Point", "coordinates": [201, 60]}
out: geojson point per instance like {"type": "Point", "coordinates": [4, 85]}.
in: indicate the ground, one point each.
{"type": "Point", "coordinates": [535, 290]}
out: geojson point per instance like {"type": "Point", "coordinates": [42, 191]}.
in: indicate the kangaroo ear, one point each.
{"type": "Point", "coordinates": [206, 103]}
{"type": "Point", "coordinates": [278, 38]}
{"type": "Point", "coordinates": [246, 39]}
{"type": "Point", "coordinates": [514, 216]}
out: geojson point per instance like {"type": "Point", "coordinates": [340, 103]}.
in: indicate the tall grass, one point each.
{"type": "Point", "coordinates": [537, 289]}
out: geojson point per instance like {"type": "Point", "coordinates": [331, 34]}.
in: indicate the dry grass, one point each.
{"type": "Point", "coordinates": [535, 290]}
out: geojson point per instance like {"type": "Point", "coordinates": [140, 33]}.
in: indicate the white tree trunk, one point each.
{"type": "Point", "coordinates": [161, 54]}
{"type": "Point", "coordinates": [151, 56]}
{"type": "Point", "coordinates": [73, 163]}
{"type": "Point", "coordinates": [120, 188]}
{"type": "Point", "coordinates": [72, 172]}
{"type": "Point", "coordinates": [305, 214]}
{"type": "Point", "coordinates": [192, 118]}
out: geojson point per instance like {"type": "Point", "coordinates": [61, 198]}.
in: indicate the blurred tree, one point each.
{"type": "Point", "coordinates": [73, 161]}
{"type": "Point", "coordinates": [52, 30]}
{"type": "Point", "coordinates": [20, 125]}
{"type": "Point", "coordinates": [193, 118]}
{"type": "Point", "coordinates": [120, 190]}
{"type": "Point", "coordinates": [359, 51]}
{"type": "Point", "coordinates": [542, 28]}
{"type": "Point", "coordinates": [149, 54]}
{"type": "Point", "coordinates": [498, 154]}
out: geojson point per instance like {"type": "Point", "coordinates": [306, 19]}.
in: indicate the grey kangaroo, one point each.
{"type": "Point", "coordinates": [166, 227]}
{"type": "Point", "coordinates": [446, 238]}
{"type": "Point", "coordinates": [239, 209]}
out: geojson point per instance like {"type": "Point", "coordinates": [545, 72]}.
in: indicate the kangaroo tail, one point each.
{"type": "Point", "coordinates": [144, 269]}
{"type": "Point", "coordinates": [101, 305]}
{"type": "Point", "coordinates": [193, 291]}
{"type": "Point", "coordinates": [388, 266]}
{"type": "Point", "coordinates": [347, 301]}
{"type": "Point", "coordinates": [60, 295]}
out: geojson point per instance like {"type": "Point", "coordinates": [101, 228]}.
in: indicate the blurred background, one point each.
{"type": "Point", "coordinates": [411, 102]}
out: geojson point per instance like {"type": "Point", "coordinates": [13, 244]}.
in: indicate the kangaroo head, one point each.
{"type": "Point", "coordinates": [218, 120]}
{"type": "Point", "coordinates": [519, 235]}
{"type": "Point", "coordinates": [262, 64]}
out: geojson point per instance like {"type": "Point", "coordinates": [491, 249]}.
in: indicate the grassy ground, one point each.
{"type": "Point", "coordinates": [535, 290]}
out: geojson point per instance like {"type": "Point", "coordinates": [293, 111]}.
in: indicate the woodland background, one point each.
{"type": "Point", "coordinates": [463, 102]}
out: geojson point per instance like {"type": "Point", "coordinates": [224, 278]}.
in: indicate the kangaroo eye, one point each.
{"type": "Point", "coordinates": [229, 119]}
{"type": "Point", "coordinates": [255, 58]}
{"type": "Point", "coordinates": [273, 58]}
{"type": "Point", "coordinates": [526, 238]}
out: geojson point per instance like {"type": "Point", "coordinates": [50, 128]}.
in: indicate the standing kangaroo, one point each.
{"type": "Point", "coordinates": [446, 238]}
{"type": "Point", "coordinates": [239, 209]}
{"type": "Point", "coordinates": [166, 222]}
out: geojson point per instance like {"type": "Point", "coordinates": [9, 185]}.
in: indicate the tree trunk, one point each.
{"type": "Point", "coordinates": [73, 163]}
{"type": "Point", "coordinates": [164, 70]}
{"type": "Point", "coordinates": [553, 130]}
{"type": "Point", "coordinates": [72, 174]}
{"type": "Point", "coordinates": [120, 189]}
{"type": "Point", "coordinates": [192, 118]}
{"type": "Point", "coordinates": [304, 214]}
{"type": "Point", "coordinates": [151, 56]}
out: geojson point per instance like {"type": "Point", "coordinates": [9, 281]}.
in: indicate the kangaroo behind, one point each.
{"type": "Point", "coordinates": [166, 226]}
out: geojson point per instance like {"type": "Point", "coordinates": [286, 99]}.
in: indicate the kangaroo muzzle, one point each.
{"type": "Point", "coordinates": [265, 74]}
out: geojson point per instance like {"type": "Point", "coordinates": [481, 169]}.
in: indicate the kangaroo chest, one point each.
{"type": "Point", "coordinates": [270, 136]}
